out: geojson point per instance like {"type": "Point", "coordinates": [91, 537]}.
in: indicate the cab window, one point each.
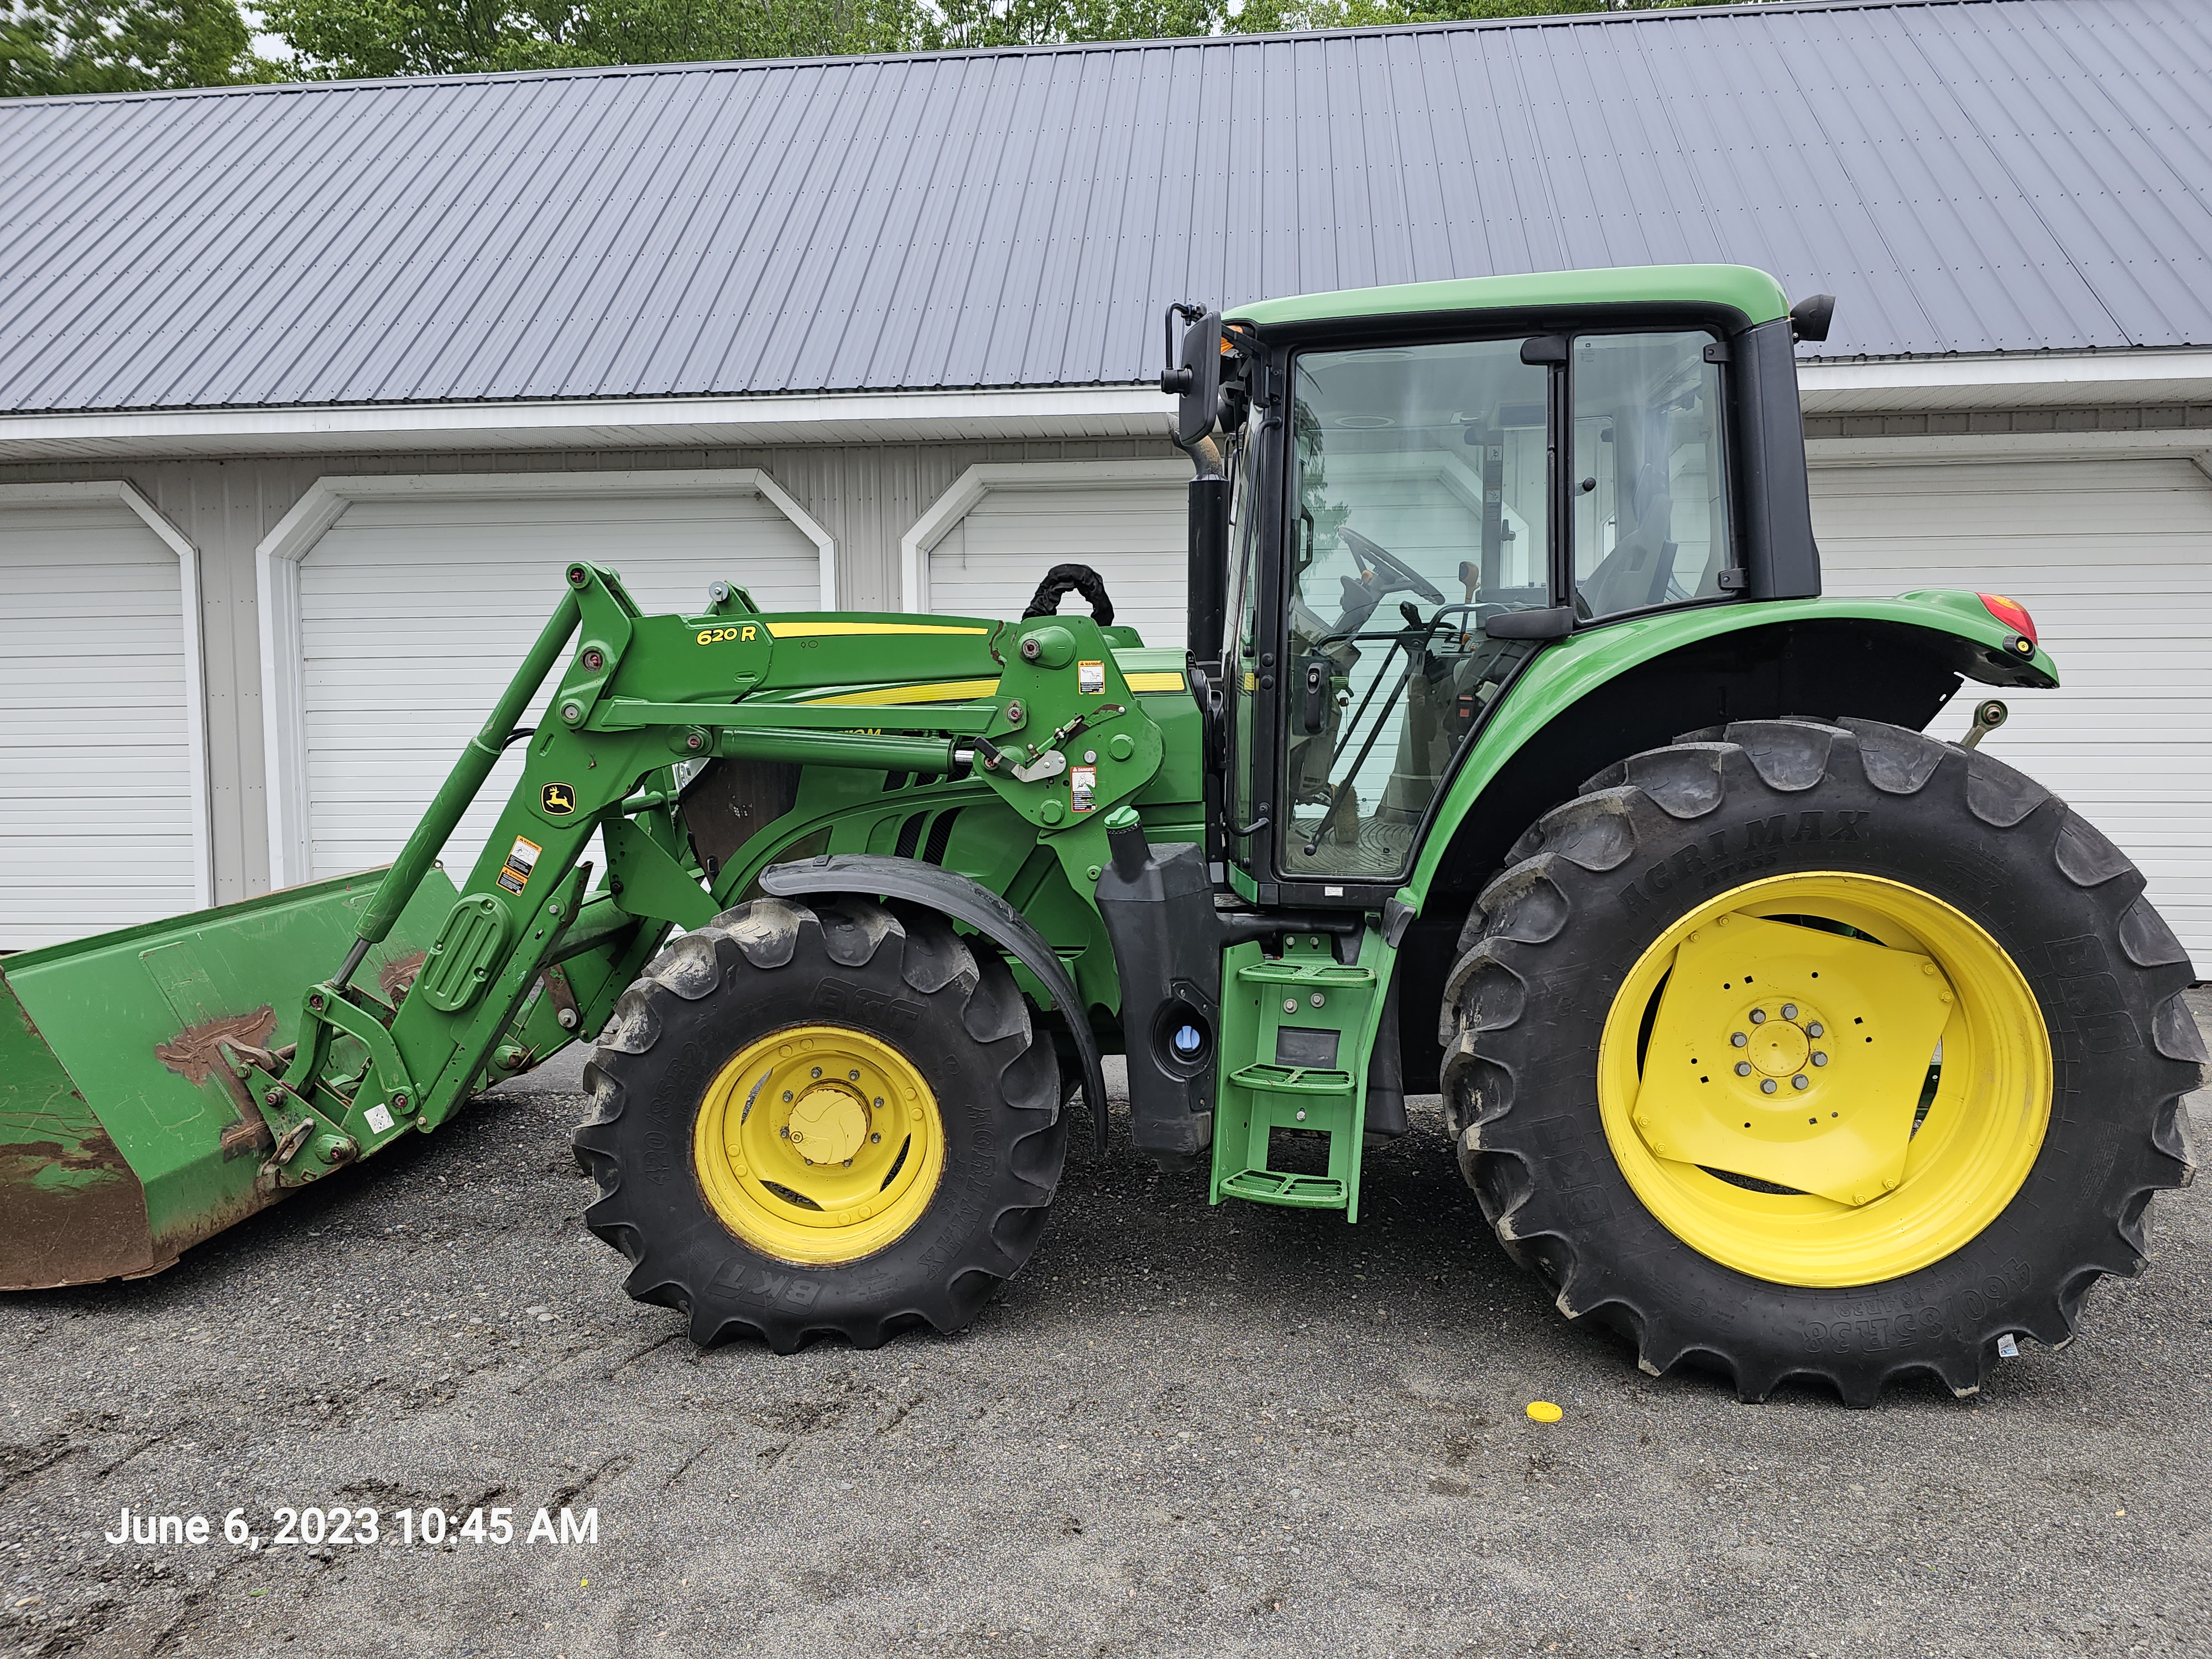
{"type": "Point", "coordinates": [1650, 522]}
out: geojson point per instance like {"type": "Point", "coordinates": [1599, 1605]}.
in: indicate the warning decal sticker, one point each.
{"type": "Point", "coordinates": [1089, 679]}
{"type": "Point", "coordinates": [514, 875]}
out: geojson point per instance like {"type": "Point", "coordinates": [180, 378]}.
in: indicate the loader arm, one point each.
{"type": "Point", "coordinates": [173, 1079]}
{"type": "Point", "coordinates": [640, 696]}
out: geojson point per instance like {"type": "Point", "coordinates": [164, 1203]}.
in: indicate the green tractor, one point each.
{"type": "Point", "coordinates": [1515, 755]}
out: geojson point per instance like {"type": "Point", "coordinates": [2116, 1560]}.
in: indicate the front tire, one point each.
{"type": "Point", "coordinates": [825, 1119]}
{"type": "Point", "coordinates": [1820, 1050]}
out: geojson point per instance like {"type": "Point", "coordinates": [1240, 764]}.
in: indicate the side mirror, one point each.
{"type": "Point", "coordinates": [1197, 382]}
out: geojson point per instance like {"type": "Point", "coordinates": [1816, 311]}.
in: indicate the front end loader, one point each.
{"type": "Point", "coordinates": [1514, 755]}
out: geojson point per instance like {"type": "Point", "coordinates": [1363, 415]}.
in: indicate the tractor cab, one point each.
{"type": "Point", "coordinates": [1421, 486]}
{"type": "Point", "coordinates": [1404, 497]}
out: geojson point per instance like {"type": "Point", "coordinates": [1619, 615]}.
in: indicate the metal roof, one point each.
{"type": "Point", "coordinates": [1968, 176]}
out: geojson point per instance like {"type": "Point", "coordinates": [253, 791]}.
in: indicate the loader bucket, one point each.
{"type": "Point", "coordinates": [124, 1136]}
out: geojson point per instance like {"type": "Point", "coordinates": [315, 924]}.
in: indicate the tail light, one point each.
{"type": "Point", "coordinates": [2013, 614]}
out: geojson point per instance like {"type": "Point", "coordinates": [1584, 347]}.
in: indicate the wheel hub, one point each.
{"type": "Point", "coordinates": [829, 1126]}
{"type": "Point", "coordinates": [819, 1144]}
{"type": "Point", "coordinates": [1808, 1083]}
{"type": "Point", "coordinates": [1778, 1048]}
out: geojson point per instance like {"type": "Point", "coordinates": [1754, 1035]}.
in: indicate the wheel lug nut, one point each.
{"type": "Point", "coordinates": [817, 1072]}
{"type": "Point", "coordinates": [1738, 1038]}
{"type": "Point", "coordinates": [1815, 1029]}
{"type": "Point", "coordinates": [785, 1132]}
{"type": "Point", "coordinates": [1789, 1010]}
{"type": "Point", "coordinates": [852, 1077]}
{"type": "Point", "coordinates": [786, 1095]}
{"type": "Point", "coordinates": [875, 1140]}
{"type": "Point", "coordinates": [1818, 1058]}
{"type": "Point", "coordinates": [1766, 1085]}
{"type": "Point", "coordinates": [1800, 1081]}
{"type": "Point", "coordinates": [1743, 1068]}
{"type": "Point", "coordinates": [1759, 1017]}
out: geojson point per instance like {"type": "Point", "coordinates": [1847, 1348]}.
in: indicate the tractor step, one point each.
{"type": "Point", "coordinates": [1301, 1191]}
{"type": "Point", "coordinates": [1292, 1080]}
{"type": "Point", "coordinates": [1320, 975]}
{"type": "Point", "coordinates": [1295, 1030]}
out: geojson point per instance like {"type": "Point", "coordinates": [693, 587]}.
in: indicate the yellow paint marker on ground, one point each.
{"type": "Point", "coordinates": [1543, 1411]}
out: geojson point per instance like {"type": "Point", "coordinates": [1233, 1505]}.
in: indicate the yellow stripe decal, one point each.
{"type": "Point", "coordinates": [823, 631]}
{"type": "Point", "coordinates": [884, 695]}
{"type": "Point", "coordinates": [1169, 680]}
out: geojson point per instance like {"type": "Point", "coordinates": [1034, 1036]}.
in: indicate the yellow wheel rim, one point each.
{"type": "Point", "coordinates": [1825, 1079]}
{"type": "Point", "coordinates": [818, 1144]}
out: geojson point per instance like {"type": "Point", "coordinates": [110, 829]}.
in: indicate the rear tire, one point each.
{"type": "Point", "coordinates": [1599, 892]}
{"type": "Point", "coordinates": [694, 1062]}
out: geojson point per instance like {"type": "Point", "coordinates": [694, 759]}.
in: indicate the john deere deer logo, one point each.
{"type": "Point", "coordinates": [559, 799]}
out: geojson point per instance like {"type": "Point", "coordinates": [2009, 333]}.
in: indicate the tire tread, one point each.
{"type": "Point", "coordinates": [770, 935]}
{"type": "Point", "coordinates": [1491, 1011]}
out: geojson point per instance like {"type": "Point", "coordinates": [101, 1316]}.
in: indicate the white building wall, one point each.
{"type": "Point", "coordinates": [865, 497]}
{"type": "Point", "coordinates": [868, 497]}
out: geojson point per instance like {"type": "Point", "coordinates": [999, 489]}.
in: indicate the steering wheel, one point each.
{"type": "Point", "coordinates": [1403, 574]}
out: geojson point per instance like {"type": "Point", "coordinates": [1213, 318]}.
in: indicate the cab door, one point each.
{"type": "Point", "coordinates": [1417, 496]}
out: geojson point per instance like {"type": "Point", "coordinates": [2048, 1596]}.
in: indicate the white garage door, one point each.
{"type": "Point", "coordinates": [989, 564]}
{"type": "Point", "coordinates": [2114, 560]}
{"type": "Point", "coordinates": [414, 613]}
{"type": "Point", "coordinates": [97, 802]}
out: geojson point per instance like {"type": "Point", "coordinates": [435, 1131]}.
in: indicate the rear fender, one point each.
{"type": "Point", "coordinates": [1610, 691]}
{"type": "Point", "coordinates": [1614, 690]}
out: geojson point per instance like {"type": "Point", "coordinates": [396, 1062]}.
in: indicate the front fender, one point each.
{"type": "Point", "coordinates": [1945, 634]}
{"type": "Point", "coordinates": [954, 895]}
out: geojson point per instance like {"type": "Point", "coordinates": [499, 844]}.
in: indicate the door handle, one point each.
{"type": "Point", "coordinates": [1313, 705]}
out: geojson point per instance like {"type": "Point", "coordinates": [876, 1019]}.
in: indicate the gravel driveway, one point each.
{"type": "Point", "coordinates": [1184, 1429]}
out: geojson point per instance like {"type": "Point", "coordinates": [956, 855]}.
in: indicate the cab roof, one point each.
{"type": "Point", "coordinates": [1754, 293]}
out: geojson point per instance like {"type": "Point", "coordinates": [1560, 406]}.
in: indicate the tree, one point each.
{"type": "Point", "coordinates": [125, 45]}
{"type": "Point", "coordinates": [965, 23]}
{"type": "Point", "coordinates": [100, 45]}
{"type": "Point", "coordinates": [1275, 16]}
{"type": "Point", "coordinates": [344, 39]}
{"type": "Point", "coordinates": [681, 31]}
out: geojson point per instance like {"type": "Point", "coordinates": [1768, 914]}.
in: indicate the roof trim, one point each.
{"type": "Point", "coordinates": [595, 422]}
{"type": "Point", "coordinates": [2010, 380]}
{"type": "Point", "coordinates": [2007, 379]}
